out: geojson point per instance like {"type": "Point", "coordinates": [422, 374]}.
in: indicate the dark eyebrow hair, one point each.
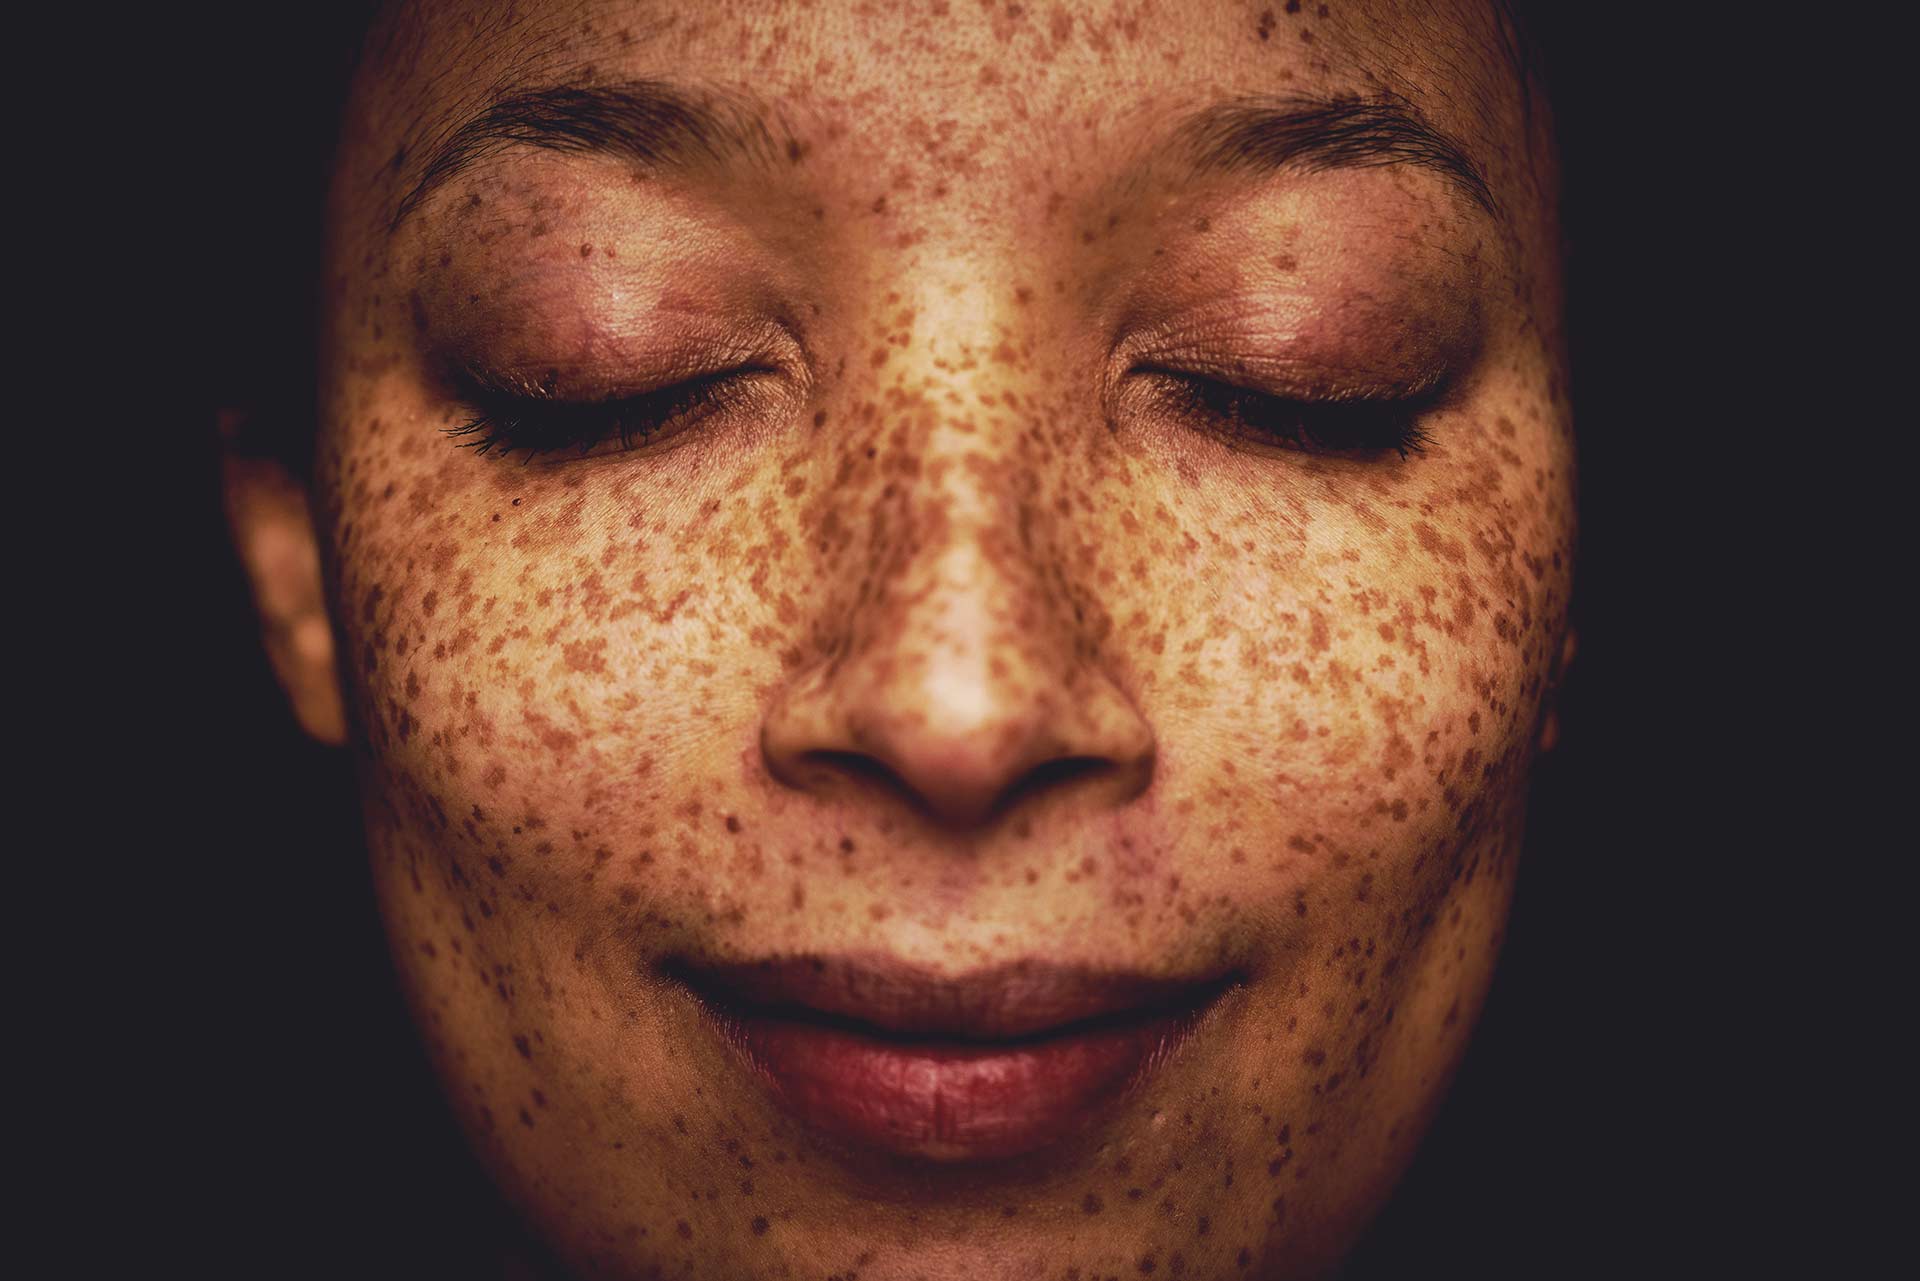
{"type": "Point", "coordinates": [647, 122]}
{"type": "Point", "coordinates": [1330, 133]}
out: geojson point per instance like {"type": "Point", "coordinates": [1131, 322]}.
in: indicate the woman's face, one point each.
{"type": "Point", "coordinates": [1018, 769]}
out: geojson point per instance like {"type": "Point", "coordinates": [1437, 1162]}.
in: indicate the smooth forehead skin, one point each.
{"type": "Point", "coordinates": [793, 680]}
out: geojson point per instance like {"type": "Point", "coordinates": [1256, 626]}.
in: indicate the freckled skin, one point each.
{"type": "Point", "coordinates": [798, 677]}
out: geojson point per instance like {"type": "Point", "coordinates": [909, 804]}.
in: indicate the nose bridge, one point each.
{"type": "Point", "coordinates": [959, 542]}
{"type": "Point", "coordinates": [954, 662]}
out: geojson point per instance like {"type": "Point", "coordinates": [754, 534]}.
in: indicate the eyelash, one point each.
{"type": "Point", "coordinates": [1358, 426]}
{"type": "Point", "coordinates": [507, 421]}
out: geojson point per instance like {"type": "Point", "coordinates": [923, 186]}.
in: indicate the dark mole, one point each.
{"type": "Point", "coordinates": [760, 1225]}
{"type": "Point", "coordinates": [520, 1044]}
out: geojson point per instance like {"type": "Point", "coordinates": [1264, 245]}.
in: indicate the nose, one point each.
{"type": "Point", "coordinates": [961, 678]}
{"type": "Point", "coordinates": [963, 698]}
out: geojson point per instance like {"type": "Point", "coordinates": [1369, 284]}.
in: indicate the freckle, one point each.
{"type": "Point", "coordinates": [760, 1225]}
{"type": "Point", "coordinates": [1092, 1204]}
{"type": "Point", "coordinates": [520, 1044]}
{"type": "Point", "coordinates": [684, 1229]}
{"type": "Point", "coordinates": [733, 823]}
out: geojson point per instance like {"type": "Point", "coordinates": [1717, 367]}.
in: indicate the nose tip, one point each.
{"type": "Point", "coordinates": [965, 734]}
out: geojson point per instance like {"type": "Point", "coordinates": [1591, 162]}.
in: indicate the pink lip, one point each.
{"type": "Point", "coordinates": [986, 1066]}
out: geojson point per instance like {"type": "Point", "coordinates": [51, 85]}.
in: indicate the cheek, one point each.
{"type": "Point", "coordinates": [1357, 654]}
{"type": "Point", "coordinates": [531, 644]}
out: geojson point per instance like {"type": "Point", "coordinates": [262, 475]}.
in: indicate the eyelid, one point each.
{"type": "Point", "coordinates": [540, 427]}
{"type": "Point", "coordinates": [611, 369]}
{"type": "Point", "coordinates": [1249, 418]}
{"type": "Point", "coordinates": [1341, 347]}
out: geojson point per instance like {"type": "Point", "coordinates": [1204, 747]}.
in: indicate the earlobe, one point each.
{"type": "Point", "coordinates": [272, 528]}
{"type": "Point", "coordinates": [1550, 720]}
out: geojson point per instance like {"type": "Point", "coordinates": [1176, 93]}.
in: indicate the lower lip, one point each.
{"type": "Point", "coordinates": [948, 1100]}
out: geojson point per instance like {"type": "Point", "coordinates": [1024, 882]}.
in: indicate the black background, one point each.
{"type": "Point", "coordinates": [280, 1115]}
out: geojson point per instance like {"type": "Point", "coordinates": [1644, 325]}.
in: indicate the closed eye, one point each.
{"type": "Point", "coordinates": [506, 419]}
{"type": "Point", "coordinates": [1358, 426]}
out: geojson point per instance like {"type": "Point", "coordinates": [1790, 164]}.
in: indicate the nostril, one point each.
{"type": "Point", "coordinates": [857, 765]}
{"type": "Point", "coordinates": [1050, 774]}
{"type": "Point", "coordinates": [952, 798]}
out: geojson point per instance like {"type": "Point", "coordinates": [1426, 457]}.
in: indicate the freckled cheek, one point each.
{"type": "Point", "coordinates": [497, 668]}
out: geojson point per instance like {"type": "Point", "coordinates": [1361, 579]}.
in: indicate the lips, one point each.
{"type": "Point", "coordinates": [985, 1066]}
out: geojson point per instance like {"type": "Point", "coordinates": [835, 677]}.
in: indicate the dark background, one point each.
{"type": "Point", "coordinates": [297, 1128]}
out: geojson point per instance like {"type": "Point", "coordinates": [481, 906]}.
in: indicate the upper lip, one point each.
{"type": "Point", "coordinates": [1016, 999]}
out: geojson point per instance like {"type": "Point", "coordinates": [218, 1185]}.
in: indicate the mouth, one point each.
{"type": "Point", "coordinates": [981, 1067]}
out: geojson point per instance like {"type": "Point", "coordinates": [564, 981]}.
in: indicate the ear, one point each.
{"type": "Point", "coordinates": [1550, 720]}
{"type": "Point", "coordinates": [272, 528]}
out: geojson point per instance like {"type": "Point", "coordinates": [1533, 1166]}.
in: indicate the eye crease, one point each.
{"type": "Point", "coordinates": [508, 416]}
{"type": "Point", "coordinates": [531, 421]}
{"type": "Point", "coordinates": [1359, 426]}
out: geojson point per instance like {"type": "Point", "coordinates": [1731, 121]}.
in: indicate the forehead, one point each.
{"type": "Point", "coordinates": [958, 84]}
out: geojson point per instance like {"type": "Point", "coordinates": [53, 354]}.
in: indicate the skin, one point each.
{"type": "Point", "coordinates": [798, 678]}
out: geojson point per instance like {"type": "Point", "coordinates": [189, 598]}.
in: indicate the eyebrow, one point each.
{"type": "Point", "coordinates": [656, 125]}
{"type": "Point", "coordinates": [649, 123]}
{"type": "Point", "coordinates": [1319, 134]}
